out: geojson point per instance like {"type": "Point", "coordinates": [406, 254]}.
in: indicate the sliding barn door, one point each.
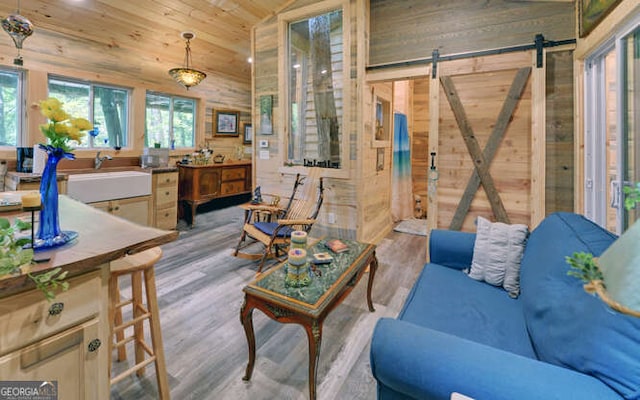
{"type": "Point", "coordinates": [484, 140]}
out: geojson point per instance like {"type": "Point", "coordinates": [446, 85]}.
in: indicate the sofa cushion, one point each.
{"type": "Point", "coordinates": [569, 327]}
{"type": "Point", "coordinates": [497, 253]}
{"type": "Point", "coordinates": [446, 300]}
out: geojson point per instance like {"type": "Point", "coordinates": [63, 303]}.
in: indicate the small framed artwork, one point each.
{"type": "Point", "coordinates": [248, 133]}
{"type": "Point", "coordinates": [380, 160]}
{"type": "Point", "coordinates": [226, 123]}
{"type": "Point", "coordinates": [592, 12]}
{"type": "Point", "coordinates": [266, 110]}
{"type": "Point", "coordinates": [382, 119]}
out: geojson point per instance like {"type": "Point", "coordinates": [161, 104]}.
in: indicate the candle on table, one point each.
{"type": "Point", "coordinates": [31, 199]}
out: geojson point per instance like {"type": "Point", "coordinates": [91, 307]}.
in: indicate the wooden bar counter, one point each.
{"type": "Point", "coordinates": [66, 341]}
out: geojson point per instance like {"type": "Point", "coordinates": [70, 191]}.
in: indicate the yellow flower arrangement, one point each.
{"type": "Point", "coordinates": [62, 128]}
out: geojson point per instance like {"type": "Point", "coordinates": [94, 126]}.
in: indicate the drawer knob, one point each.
{"type": "Point", "coordinates": [56, 308]}
{"type": "Point", "coordinates": [94, 345]}
{"type": "Point", "coordinates": [166, 193]}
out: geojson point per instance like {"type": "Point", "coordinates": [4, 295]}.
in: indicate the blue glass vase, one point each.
{"type": "Point", "coordinates": [49, 232]}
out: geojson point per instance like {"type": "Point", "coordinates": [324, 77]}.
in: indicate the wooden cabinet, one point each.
{"type": "Point", "coordinates": [134, 209]}
{"type": "Point", "coordinates": [64, 341]}
{"type": "Point", "coordinates": [200, 184]}
{"type": "Point", "coordinates": [165, 200]}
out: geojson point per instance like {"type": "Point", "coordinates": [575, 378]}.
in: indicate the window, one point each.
{"type": "Point", "coordinates": [170, 121]}
{"type": "Point", "coordinates": [612, 138]}
{"type": "Point", "coordinates": [107, 107]}
{"type": "Point", "coordinates": [315, 89]}
{"type": "Point", "coordinates": [10, 108]}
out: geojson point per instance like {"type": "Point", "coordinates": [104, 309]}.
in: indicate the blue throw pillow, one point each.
{"type": "Point", "coordinates": [567, 326]}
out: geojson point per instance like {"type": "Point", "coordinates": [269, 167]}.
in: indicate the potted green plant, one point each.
{"type": "Point", "coordinates": [632, 196]}
{"type": "Point", "coordinates": [16, 259]}
{"type": "Point", "coordinates": [584, 266]}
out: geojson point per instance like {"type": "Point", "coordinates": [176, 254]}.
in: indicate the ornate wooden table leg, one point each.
{"type": "Point", "coordinates": [246, 317]}
{"type": "Point", "coordinates": [314, 332]}
{"type": "Point", "coordinates": [373, 266]}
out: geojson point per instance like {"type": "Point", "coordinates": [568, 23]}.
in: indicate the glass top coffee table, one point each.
{"type": "Point", "coordinates": [308, 305]}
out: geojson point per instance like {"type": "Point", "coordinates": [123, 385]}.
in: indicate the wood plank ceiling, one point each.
{"type": "Point", "coordinates": [142, 37]}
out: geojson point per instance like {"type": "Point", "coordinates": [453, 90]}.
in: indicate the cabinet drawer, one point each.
{"type": "Point", "coordinates": [165, 196]}
{"type": "Point", "coordinates": [232, 187]}
{"type": "Point", "coordinates": [167, 179]}
{"type": "Point", "coordinates": [232, 174]}
{"type": "Point", "coordinates": [166, 218]}
{"type": "Point", "coordinates": [27, 317]}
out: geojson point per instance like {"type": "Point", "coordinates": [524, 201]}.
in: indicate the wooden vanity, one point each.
{"type": "Point", "coordinates": [67, 340]}
{"type": "Point", "coordinates": [199, 184]}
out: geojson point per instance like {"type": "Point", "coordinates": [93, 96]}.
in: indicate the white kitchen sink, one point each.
{"type": "Point", "coordinates": [103, 186]}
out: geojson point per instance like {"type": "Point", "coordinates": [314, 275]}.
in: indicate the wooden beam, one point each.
{"type": "Point", "coordinates": [498, 133]}
{"type": "Point", "coordinates": [479, 161]}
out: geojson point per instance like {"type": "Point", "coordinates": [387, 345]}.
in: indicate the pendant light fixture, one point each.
{"type": "Point", "coordinates": [19, 28]}
{"type": "Point", "coordinates": [187, 76]}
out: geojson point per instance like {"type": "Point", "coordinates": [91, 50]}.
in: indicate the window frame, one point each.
{"type": "Point", "coordinates": [21, 138]}
{"type": "Point", "coordinates": [127, 125]}
{"type": "Point", "coordinates": [284, 19]}
{"type": "Point", "coordinates": [172, 98]}
{"type": "Point", "coordinates": [596, 186]}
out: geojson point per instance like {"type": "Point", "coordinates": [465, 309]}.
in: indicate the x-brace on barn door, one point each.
{"type": "Point", "coordinates": [482, 158]}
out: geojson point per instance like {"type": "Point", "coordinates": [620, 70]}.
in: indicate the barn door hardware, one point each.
{"type": "Point", "coordinates": [539, 43]}
{"type": "Point", "coordinates": [435, 55]}
{"type": "Point", "coordinates": [433, 175]}
{"type": "Point", "coordinates": [482, 159]}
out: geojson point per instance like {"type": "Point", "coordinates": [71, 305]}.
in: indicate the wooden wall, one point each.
{"type": "Point", "coordinates": [356, 209]}
{"type": "Point", "coordinates": [420, 140]}
{"type": "Point", "coordinates": [412, 29]}
{"type": "Point", "coordinates": [121, 62]}
{"type": "Point", "coordinates": [560, 167]}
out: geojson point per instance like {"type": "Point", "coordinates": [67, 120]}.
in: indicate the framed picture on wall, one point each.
{"type": "Point", "coordinates": [382, 120]}
{"type": "Point", "coordinates": [226, 123]}
{"type": "Point", "coordinates": [248, 133]}
{"type": "Point", "coordinates": [592, 12]}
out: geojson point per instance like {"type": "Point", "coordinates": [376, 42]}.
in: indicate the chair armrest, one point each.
{"type": "Point", "coordinates": [296, 221]}
{"type": "Point", "coordinates": [422, 363]}
{"type": "Point", "coordinates": [263, 207]}
{"type": "Point", "coordinates": [452, 249]}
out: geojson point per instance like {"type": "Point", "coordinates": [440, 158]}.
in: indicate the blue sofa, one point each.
{"type": "Point", "coordinates": [555, 341]}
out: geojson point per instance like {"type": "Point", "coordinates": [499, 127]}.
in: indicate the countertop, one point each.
{"type": "Point", "coordinates": [101, 238]}
{"type": "Point", "coordinates": [222, 164]}
{"type": "Point", "coordinates": [63, 174]}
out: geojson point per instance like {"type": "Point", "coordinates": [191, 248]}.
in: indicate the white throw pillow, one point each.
{"type": "Point", "coordinates": [497, 253]}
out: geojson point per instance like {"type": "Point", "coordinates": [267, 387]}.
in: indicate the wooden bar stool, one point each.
{"type": "Point", "coordinates": [139, 266]}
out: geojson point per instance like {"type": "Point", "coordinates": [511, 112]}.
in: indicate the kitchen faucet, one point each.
{"type": "Point", "coordinates": [97, 162]}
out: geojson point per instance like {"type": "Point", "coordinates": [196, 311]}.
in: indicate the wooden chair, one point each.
{"type": "Point", "coordinates": [299, 214]}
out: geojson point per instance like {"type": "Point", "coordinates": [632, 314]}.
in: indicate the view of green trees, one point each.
{"type": "Point", "coordinates": [169, 118]}
{"type": "Point", "coordinates": [9, 106]}
{"type": "Point", "coordinates": [109, 114]}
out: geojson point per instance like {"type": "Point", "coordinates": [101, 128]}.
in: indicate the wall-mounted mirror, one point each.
{"type": "Point", "coordinates": [315, 89]}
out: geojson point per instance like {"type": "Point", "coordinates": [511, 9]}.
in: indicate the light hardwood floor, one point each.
{"type": "Point", "coordinates": [200, 293]}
